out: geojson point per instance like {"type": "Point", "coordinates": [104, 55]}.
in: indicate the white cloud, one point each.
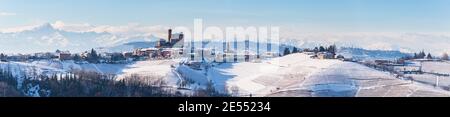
{"type": "Point", "coordinates": [7, 14]}
{"type": "Point", "coordinates": [55, 39]}
{"type": "Point", "coordinates": [129, 30]}
{"type": "Point", "coordinates": [132, 29]}
{"type": "Point", "coordinates": [73, 27]}
{"type": "Point", "coordinates": [436, 43]}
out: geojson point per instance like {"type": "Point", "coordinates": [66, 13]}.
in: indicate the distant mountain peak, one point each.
{"type": "Point", "coordinates": [45, 26]}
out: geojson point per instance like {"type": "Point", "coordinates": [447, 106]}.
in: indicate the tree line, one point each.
{"type": "Point", "coordinates": [92, 84]}
{"type": "Point", "coordinates": [423, 55]}
{"type": "Point", "coordinates": [330, 49]}
{"type": "Point", "coordinates": [87, 84]}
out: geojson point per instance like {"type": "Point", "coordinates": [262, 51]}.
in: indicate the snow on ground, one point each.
{"type": "Point", "coordinates": [71, 65]}
{"type": "Point", "coordinates": [428, 78]}
{"type": "Point", "coordinates": [291, 75]}
{"type": "Point", "coordinates": [352, 79]}
{"type": "Point", "coordinates": [432, 80]}
{"type": "Point", "coordinates": [195, 75]}
{"type": "Point", "coordinates": [299, 75]}
{"type": "Point", "coordinates": [153, 68]}
{"type": "Point", "coordinates": [260, 79]}
{"type": "Point", "coordinates": [20, 69]}
{"type": "Point", "coordinates": [436, 67]}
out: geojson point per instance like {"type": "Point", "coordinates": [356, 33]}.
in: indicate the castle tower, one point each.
{"type": "Point", "coordinates": [170, 36]}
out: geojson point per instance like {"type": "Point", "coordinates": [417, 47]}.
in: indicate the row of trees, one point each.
{"type": "Point", "coordinates": [2, 56]}
{"type": "Point", "coordinates": [288, 51]}
{"type": "Point", "coordinates": [92, 84]}
{"type": "Point", "coordinates": [331, 49]}
{"type": "Point", "coordinates": [8, 85]}
{"type": "Point", "coordinates": [423, 55]}
{"type": "Point", "coordinates": [91, 57]}
{"type": "Point", "coordinates": [87, 84]}
{"type": "Point", "coordinates": [94, 57]}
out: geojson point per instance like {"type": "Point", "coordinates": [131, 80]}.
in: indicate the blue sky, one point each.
{"type": "Point", "coordinates": [308, 15]}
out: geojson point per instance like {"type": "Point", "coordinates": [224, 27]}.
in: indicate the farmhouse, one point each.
{"type": "Point", "coordinates": [64, 56]}
{"type": "Point", "coordinates": [325, 55]}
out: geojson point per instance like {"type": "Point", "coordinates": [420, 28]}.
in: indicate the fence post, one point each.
{"type": "Point", "coordinates": [437, 81]}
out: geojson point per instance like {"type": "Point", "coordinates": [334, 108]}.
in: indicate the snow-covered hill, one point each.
{"type": "Point", "coordinates": [151, 69]}
{"type": "Point", "coordinates": [47, 38]}
{"type": "Point", "coordinates": [408, 42]}
{"type": "Point", "coordinates": [291, 75]}
{"type": "Point", "coordinates": [299, 75]}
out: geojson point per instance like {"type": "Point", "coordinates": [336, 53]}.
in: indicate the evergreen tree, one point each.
{"type": "Point", "coordinates": [321, 49]}
{"type": "Point", "coordinates": [77, 57]}
{"type": "Point", "coordinates": [332, 49]}
{"type": "Point", "coordinates": [94, 53]}
{"type": "Point", "coordinates": [445, 56]}
{"type": "Point", "coordinates": [422, 55]}
{"type": "Point", "coordinates": [2, 56]}
{"type": "Point", "coordinates": [93, 56]}
{"type": "Point", "coordinates": [286, 51]}
{"type": "Point", "coordinates": [429, 56]}
{"type": "Point", "coordinates": [294, 50]}
{"type": "Point", "coordinates": [117, 57]}
{"type": "Point", "coordinates": [316, 50]}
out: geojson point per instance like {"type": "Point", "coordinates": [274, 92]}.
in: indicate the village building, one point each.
{"type": "Point", "coordinates": [44, 55]}
{"type": "Point", "coordinates": [407, 69]}
{"type": "Point", "coordinates": [84, 55]}
{"type": "Point", "coordinates": [325, 55]}
{"type": "Point", "coordinates": [63, 55]}
{"type": "Point", "coordinates": [127, 54]}
{"type": "Point", "coordinates": [270, 54]}
{"type": "Point", "coordinates": [19, 57]}
{"type": "Point", "coordinates": [170, 48]}
{"type": "Point", "coordinates": [173, 41]}
{"type": "Point", "coordinates": [150, 52]}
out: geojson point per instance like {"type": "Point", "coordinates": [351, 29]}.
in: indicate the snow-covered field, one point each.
{"type": "Point", "coordinates": [153, 69]}
{"type": "Point", "coordinates": [432, 80]}
{"type": "Point", "coordinates": [352, 79]}
{"type": "Point", "coordinates": [291, 75]}
{"type": "Point", "coordinates": [437, 67]}
{"type": "Point", "coordinates": [299, 75]}
{"type": "Point", "coordinates": [20, 69]}
{"type": "Point", "coordinates": [430, 77]}
{"type": "Point", "coordinates": [260, 79]}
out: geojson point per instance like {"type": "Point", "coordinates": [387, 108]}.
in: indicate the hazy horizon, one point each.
{"type": "Point", "coordinates": [404, 25]}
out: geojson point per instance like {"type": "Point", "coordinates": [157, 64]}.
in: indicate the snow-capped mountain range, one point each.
{"type": "Point", "coordinates": [363, 54]}
{"type": "Point", "coordinates": [435, 43]}
{"type": "Point", "coordinates": [48, 37]}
